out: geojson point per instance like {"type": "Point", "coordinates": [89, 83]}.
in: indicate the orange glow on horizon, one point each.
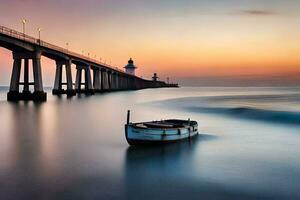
{"type": "Point", "coordinates": [166, 38]}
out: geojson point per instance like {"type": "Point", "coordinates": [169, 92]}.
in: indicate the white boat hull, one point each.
{"type": "Point", "coordinates": [135, 135]}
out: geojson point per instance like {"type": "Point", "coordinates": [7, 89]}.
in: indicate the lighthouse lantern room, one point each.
{"type": "Point", "coordinates": [130, 67]}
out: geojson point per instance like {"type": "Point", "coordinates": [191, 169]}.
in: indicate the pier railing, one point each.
{"type": "Point", "coordinates": [21, 36]}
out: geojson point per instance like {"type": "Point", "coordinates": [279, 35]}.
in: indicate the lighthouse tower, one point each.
{"type": "Point", "coordinates": [130, 67]}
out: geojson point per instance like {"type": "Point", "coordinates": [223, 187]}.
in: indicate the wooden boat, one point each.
{"type": "Point", "coordinates": [159, 132]}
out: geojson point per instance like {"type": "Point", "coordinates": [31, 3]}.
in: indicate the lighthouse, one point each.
{"type": "Point", "coordinates": [155, 77]}
{"type": "Point", "coordinates": [130, 67]}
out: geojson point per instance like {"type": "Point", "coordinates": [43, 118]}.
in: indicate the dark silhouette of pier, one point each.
{"type": "Point", "coordinates": [105, 78]}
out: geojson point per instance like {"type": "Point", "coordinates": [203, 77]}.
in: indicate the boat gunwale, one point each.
{"type": "Point", "coordinates": [166, 135]}
{"type": "Point", "coordinates": [133, 125]}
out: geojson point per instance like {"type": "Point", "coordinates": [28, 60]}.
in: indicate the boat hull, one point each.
{"type": "Point", "coordinates": [139, 136]}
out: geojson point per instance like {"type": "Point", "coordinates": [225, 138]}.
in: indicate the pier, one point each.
{"type": "Point", "coordinates": [98, 77]}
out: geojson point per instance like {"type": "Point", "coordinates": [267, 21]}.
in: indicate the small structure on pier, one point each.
{"type": "Point", "coordinates": [130, 67]}
{"type": "Point", "coordinates": [155, 77]}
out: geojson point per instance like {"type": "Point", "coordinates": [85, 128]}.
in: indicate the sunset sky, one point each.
{"type": "Point", "coordinates": [175, 38]}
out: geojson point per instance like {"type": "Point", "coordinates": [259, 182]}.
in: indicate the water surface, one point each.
{"type": "Point", "coordinates": [75, 148]}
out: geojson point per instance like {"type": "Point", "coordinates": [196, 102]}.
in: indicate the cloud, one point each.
{"type": "Point", "coordinates": [257, 12]}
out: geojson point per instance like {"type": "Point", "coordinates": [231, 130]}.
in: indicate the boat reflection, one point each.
{"type": "Point", "coordinates": [149, 171]}
{"type": "Point", "coordinates": [170, 172]}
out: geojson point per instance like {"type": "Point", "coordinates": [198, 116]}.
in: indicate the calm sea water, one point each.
{"type": "Point", "coordinates": [248, 147]}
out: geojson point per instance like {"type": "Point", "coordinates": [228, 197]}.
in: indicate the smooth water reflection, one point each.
{"type": "Point", "coordinates": [76, 149]}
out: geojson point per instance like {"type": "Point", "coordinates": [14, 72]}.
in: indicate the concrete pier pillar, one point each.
{"type": "Point", "coordinates": [88, 80]}
{"type": "Point", "coordinates": [37, 75]}
{"type": "Point", "coordinates": [117, 81]}
{"type": "Point", "coordinates": [104, 80]}
{"type": "Point", "coordinates": [78, 79]}
{"type": "Point", "coordinates": [106, 84]}
{"type": "Point", "coordinates": [15, 76]}
{"type": "Point", "coordinates": [112, 75]}
{"type": "Point", "coordinates": [70, 89]}
{"type": "Point", "coordinates": [122, 82]}
{"type": "Point", "coordinates": [109, 80]}
{"type": "Point", "coordinates": [58, 84]}
{"type": "Point", "coordinates": [113, 81]}
{"type": "Point", "coordinates": [127, 83]}
{"type": "Point", "coordinates": [131, 86]}
{"type": "Point", "coordinates": [136, 84]}
{"type": "Point", "coordinates": [58, 78]}
{"type": "Point", "coordinates": [14, 94]}
{"type": "Point", "coordinates": [26, 76]}
{"type": "Point", "coordinates": [97, 81]}
{"type": "Point", "coordinates": [88, 87]}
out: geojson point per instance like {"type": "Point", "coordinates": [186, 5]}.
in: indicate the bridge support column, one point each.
{"type": "Point", "coordinates": [97, 83]}
{"type": "Point", "coordinates": [113, 81]}
{"type": "Point", "coordinates": [58, 79]}
{"type": "Point", "coordinates": [131, 83]}
{"type": "Point", "coordinates": [78, 79]}
{"type": "Point", "coordinates": [26, 77]}
{"type": "Point", "coordinates": [125, 83]}
{"type": "Point", "coordinates": [109, 85]}
{"type": "Point", "coordinates": [88, 81]}
{"type": "Point", "coordinates": [112, 77]}
{"type": "Point", "coordinates": [138, 83]}
{"type": "Point", "coordinates": [104, 80]}
{"type": "Point", "coordinates": [58, 84]}
{"type": "Point", "coordinates": [14, 94]}
{"type": "Point", "coordinates": [70, 87]}
{"type": "Point", "coordinates": [120, 82]}
{"type": "Point", "coordinates": [117, 81]}
{"type": "Point", "coordinates": [88, 87]}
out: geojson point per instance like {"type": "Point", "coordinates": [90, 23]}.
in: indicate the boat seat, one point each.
{"type": "Point", "coordinates": [141, 126]}
{"type": "Point", "coordinates": [158, 125]}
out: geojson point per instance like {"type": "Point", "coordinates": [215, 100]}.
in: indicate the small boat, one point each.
{"type": "Point", "coordinates": [159, 132]}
